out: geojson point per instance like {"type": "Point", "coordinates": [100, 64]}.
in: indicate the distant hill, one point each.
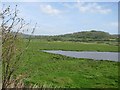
{"type": "Point", "coordinates": [79, 36]}
{"type": "Point", "coordinates": [88, 35]}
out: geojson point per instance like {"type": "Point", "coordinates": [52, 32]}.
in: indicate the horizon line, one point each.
{"type": "Point", "coordinates": [68, 33]}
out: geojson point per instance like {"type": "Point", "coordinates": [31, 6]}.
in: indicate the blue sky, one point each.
{"type": "Point", "coordinates": [56, 18]}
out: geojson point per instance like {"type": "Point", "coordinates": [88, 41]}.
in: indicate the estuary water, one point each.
{"type": "Point", "coordinates": [111, 56]}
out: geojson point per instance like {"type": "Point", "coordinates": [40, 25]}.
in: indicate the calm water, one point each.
{"type": "Point", "coordinates": [112, 56]}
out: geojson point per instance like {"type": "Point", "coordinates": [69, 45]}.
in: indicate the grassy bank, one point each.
{"type": "Point", "coordinates": [53, 70]}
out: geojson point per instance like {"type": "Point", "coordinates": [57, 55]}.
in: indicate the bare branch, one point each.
{"type": "Point", "coordinates": [11, 54]}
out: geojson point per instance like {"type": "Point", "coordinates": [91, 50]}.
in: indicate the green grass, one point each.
{"type": "Point", "coordinates": [76, 46]}
{"type": "Point", "coordinates": [53, 70]}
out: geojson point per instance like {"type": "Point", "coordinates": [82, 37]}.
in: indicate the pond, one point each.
{"type": "Point", "coordinates": [111, 56]}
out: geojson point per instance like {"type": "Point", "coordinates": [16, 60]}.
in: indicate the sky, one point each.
{"type": "Point", "coordinates": [55, 18]}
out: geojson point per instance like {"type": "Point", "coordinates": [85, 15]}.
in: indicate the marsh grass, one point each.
{"type": "Point", "coordinates": [51, 70]}
{"type": "Point", "coordinates": [74, 46]}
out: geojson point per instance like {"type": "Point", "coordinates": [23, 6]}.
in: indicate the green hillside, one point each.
{"type": "Point", "coordinates": [84, 36]}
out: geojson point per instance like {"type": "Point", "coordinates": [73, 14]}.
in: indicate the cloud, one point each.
{"type": "Point", "coordinates": [48, 9]}
{"type": "Point", "coordinates": [111, 27]}
{"type": "Point", "coordinates": [114, 24]}
{"type": "Point", "coordinates": [67, 5]}
{"type": "Point", "coordinates": [92, 8]}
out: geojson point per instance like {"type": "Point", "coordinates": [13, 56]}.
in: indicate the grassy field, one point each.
{"type": "Point", "coordinates": [52, 70]}
{"type": "Point", "coordinates": [76, 46]}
